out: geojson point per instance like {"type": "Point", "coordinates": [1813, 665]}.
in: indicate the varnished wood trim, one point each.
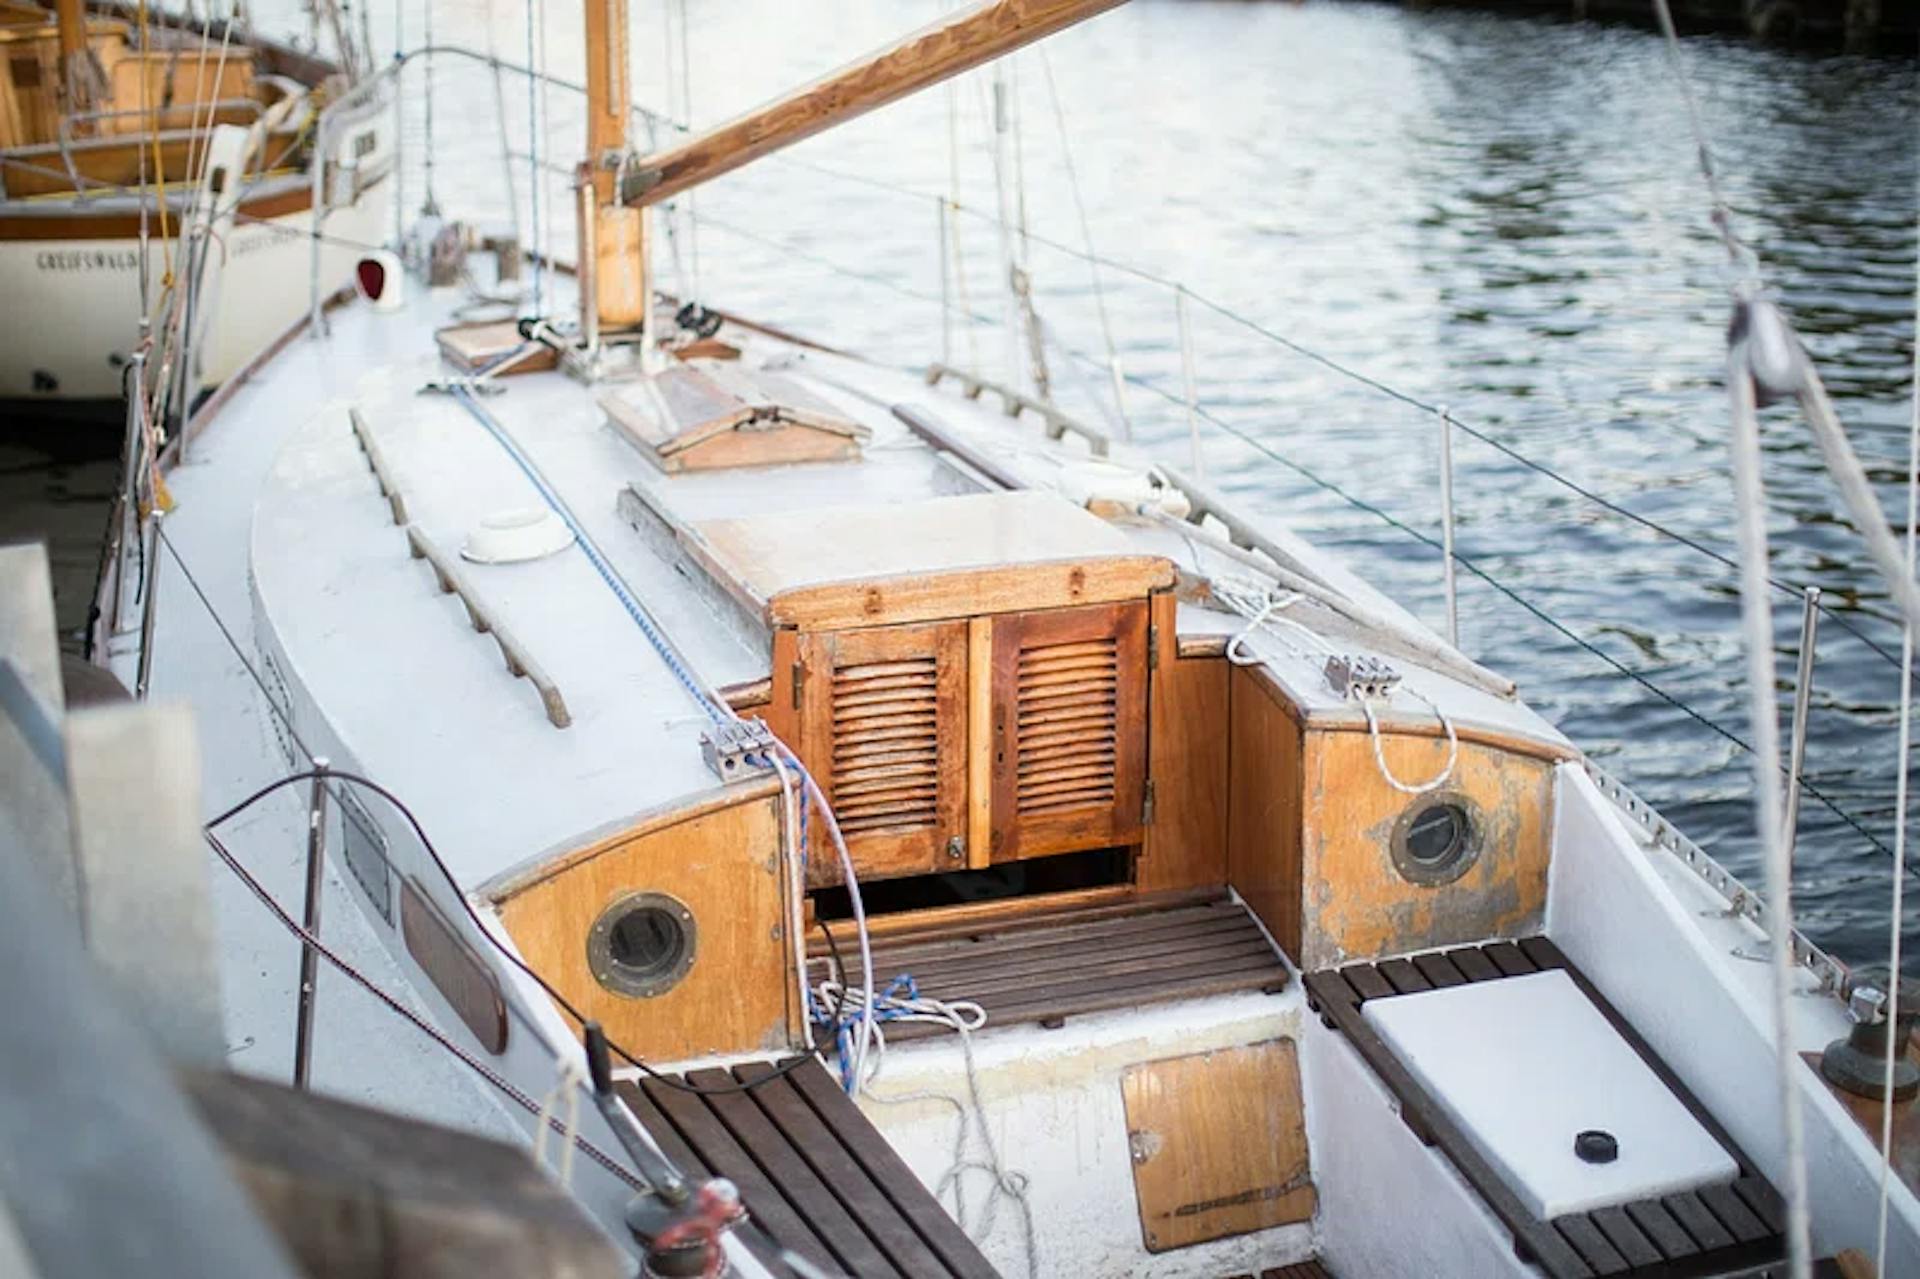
{"type": "Point", "coordinates": [126, 226]}
{"type": "Point", "coordinates": [519, 879]}
{"type": "Point", "coordinates": [970, 592]}
{"type": "Point", "coordinates": [980, 743]}
{"type": "Point", "coordinates": [1352, 720]}
{"type": "Point", "coordinates": [751, 695]}
{"type": "Point", "coordinates": [976, 915]}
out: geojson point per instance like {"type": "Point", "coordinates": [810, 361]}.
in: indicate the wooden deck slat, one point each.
{"type": "Point", "coordinates": [789, 1112]}
{"type": "Point", "coordinates": [1028, 935]}
{"type": "Point", "coordinates": [989, 963]}
{"type": "Point", "coordinates": [1474, 964]}
{"type": "Point", "coordinates": [1367, 982]}
{"type": "Point", "coordinates": [1659, 1226]}
{"type": "Point", "coordinates": [1602, 1258]}
{"type": "Point", "coordinates": [890, 1173]}
{"type": "Point", "coordinates": [1697, 1221]}
{"type": "Point", "coordinates": [964, 924]}
{"type": "Point", "coordinates": [1543, 953]}
{"type": "Point", "coordinates": [1439, 970]}
{"type": "Point", "coordinates": [1083, 969]}
{"type": "Point", "coordinates": [1627, 1239]}
{"type": "Point", "coordinates": [1765, 1202]}
{"type": "Point", "coordinates": [1507, 958]}
{"type": "Point", "coordinates": [718, 1150]}
{"type": "Point", "coordinates": [1734, 1214]}
{"type": "Point", "coordinates": [776, 1157]}
{"type": "Point", "coordinates": [965, 928]}
{"type": "Point", "coordinates": [1404, 977]}
{"type": "Point", "coordinates": [1183, 950]}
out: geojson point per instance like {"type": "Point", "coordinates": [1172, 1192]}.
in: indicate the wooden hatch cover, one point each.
{"type": "Point", "coordinates": [1219, 1143]}
{"type": "Point", "coordinates": [941, 557]}
{"type": "Point", "coordinates": [471, 348]}
{"type": "Point", "coordinates": [710, 414]}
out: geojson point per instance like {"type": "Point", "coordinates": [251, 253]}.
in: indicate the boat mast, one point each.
{"type": "Point", "coordinates": [623, 186]}
{"type": "Point", "coordinates": [81, 79]}
{"type": "Point", "coordinates": [615, 232]}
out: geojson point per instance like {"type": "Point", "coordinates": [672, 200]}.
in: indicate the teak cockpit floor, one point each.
{"type": "Point", "coordinates": [1716, 1230]}
{"type": "Point", "coordinates": [813, 1172]}
{"type": "Point", "coordinates": [1052, 966]}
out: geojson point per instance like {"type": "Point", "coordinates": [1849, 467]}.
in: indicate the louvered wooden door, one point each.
{"type": "Point", "coordinates": [1069, 729]}
{"type": "Point", "coordinates": [883, 728]}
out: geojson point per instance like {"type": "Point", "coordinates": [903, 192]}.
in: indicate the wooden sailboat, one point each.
{"type": "Point", "coordinates": [969, 872]}
{"type": "Point", "coordinates": [147, 165]}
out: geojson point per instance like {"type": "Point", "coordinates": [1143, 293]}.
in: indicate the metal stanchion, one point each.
{"type": "Point", "coordinates": [309, 959]}
{"type": "Point", "coordinates": [1446, 527]}
{"type": "Point", "coordinates": [1802, 692]}
{"type": "Point", "coordinates": [148, 606]}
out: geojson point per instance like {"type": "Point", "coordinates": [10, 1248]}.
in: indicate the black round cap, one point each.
{"type": "Point", "coordinates": [1596, 1146]}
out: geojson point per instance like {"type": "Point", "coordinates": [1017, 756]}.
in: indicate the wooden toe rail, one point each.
{"type": "Point", "coordinates": [1711, 1231]}
{"type": "Point", "coordinates": [813, 1172]}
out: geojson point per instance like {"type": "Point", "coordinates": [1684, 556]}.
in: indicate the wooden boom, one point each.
{"type": "Point", "coordinates": [937, 52]}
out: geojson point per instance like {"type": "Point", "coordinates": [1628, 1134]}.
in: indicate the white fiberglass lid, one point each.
{"type": "Point", "coordinates": [1524, 1065]}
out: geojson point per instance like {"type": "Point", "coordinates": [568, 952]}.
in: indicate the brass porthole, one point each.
{"type": "Point", "coordinates": [1437, 839]}
{"type": "Point", "coordinates": [643, 945]}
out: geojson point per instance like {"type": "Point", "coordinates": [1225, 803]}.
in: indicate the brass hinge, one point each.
{"type": "Point", "coordinates": [799, 673]}
{"type": "Point", "coordinates": [1153, 647]}
{"type": "Point", "coordinates": [1146, 805]}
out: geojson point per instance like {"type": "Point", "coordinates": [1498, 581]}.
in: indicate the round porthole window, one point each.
{"type": "Point", "coordinates": [642, 945]}
{"type": "Point", "coordinates": [1436, 840]}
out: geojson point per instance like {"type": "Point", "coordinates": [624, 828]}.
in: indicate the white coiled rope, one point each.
{"type": "Point", "coordinates": [963, 1017]}
{"type": "Point", "coordinates": [1264, 609]}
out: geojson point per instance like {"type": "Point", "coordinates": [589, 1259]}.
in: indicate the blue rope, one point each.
{"type": "Point", "coordinates": [717, 711]}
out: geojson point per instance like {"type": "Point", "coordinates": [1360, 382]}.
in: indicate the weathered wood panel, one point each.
{"type": "Point", "coordinates": [1264, 805]}
{"type": "Point", "coordinates": [1187, 764]}
{"type": "Point", "coordinates": [1069, 729]}
{"type": "Point", "coordinates": [1219, 1142]}
{"type": "Point", "coordinates": [1355, 902]}
{"type": "Point", "coordinates": [723, 864]}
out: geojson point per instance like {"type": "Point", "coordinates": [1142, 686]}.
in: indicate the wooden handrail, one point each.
{"type": "Point", "coordinates": [943, 49]}
{"type": "Point", "coordinates": [519, 662]}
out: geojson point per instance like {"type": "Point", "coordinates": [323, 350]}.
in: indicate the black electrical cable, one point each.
{"type": "Point", "coordinates": [566, 1005]}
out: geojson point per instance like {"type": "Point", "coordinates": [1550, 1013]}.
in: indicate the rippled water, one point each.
{"type": "Point", "coordinates": [1497, 214]}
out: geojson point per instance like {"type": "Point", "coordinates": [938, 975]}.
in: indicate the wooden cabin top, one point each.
{"type": "Point", "coordinates": [938, 557]}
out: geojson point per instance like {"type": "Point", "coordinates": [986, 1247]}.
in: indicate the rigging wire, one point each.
{"type": "Point", "coordinates": [1747, 371]}
{"type": "Point", "coordinates": [1473, 566]}
{"type": "Point", "coordinates": [505, 1086]}
{"type": "Point", "coordinates": [1895, 1048]}
{"type": "Point", "coordinates": [433, 854]}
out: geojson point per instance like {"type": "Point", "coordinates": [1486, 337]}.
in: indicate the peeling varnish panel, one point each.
{"type": "Point", "coordinates": [1357, 906]}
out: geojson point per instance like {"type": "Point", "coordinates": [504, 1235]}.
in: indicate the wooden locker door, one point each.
{"type": "Point", "coordinates": [883, 729]}
{"type": "Point", "coordinates": [1069, 719]}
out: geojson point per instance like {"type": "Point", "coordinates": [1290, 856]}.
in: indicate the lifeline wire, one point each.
{"type": "Point", "coordinates": [1472, 566]}
{"type": "Point", "coordinates": [434, 854]}
{"type": "Point", "coordinates": [504, 1085]}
